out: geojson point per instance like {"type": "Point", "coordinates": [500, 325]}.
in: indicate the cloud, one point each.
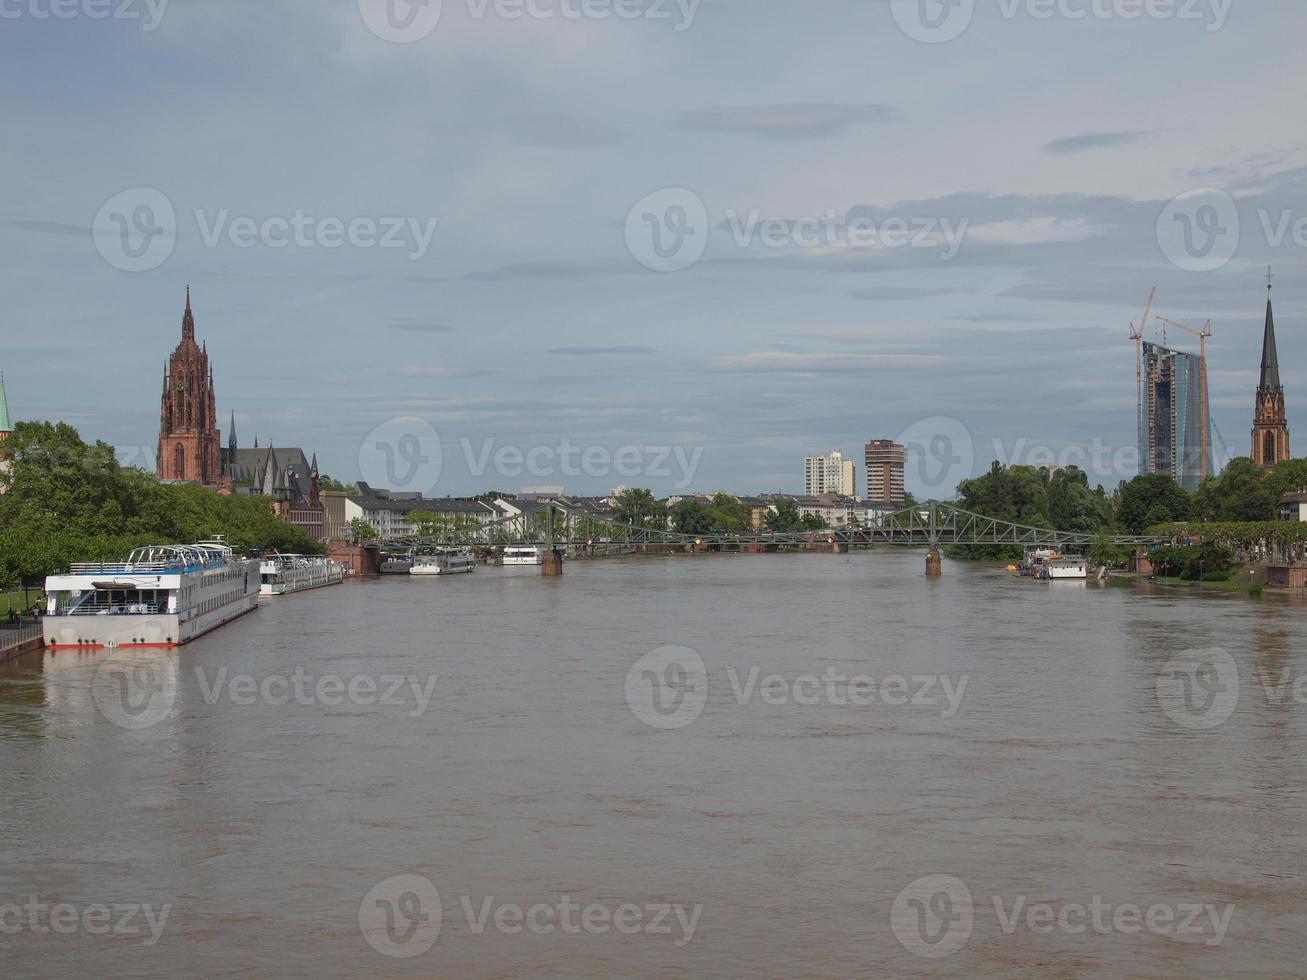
{"type": "Point", "coordinates": [810, 120]}
{"type": "Point", "coordinates": [590, 351]}
{"type": "Point", "coordinates": [435, 324]}
{"type": "Point", "coordinates": [438, 372]}
{"type": "Point", "coordinates": [1093, 141]}
{"type": "Point", "coordinates": [559, 131]}
{"type": "Point", "coordinates": [51, 227]}
{"type": "Point", "coordinates": [770, 361]}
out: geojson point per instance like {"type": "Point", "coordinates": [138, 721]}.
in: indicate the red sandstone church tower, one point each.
{"type": "Point", "coordinates": [188, 417]}
{"type": "Point", "coordinates": [1270, 426]}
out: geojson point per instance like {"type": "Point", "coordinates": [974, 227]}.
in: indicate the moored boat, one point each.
{"type": "Point", "coordinates": [282, 574]}
{"type": "Point", "coordinates": [159, 596]}
{"type": "Point", "coordinates": [523, 555]}
{"type": "Point", "coordinates": [459, 563]}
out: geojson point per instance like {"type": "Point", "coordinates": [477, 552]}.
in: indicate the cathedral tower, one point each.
{"type": "Point", "coordinates": [188, 418]}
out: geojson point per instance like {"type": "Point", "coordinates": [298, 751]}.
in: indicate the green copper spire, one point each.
{"type": "Point", "coordinates": [5, 424]}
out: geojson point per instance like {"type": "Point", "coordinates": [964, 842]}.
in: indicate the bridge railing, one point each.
{"type": "Point", "coordinates": [926, 525]}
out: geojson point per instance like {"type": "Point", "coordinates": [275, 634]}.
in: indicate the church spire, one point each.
{"type": "Point", "coordinates": [188, 319]}
{"type": "Point", "coordinates": [1270, 357]}
{"type": "Point", "coordinates": [231, 434]}
{"type": "Point", "coordinates": [1270, 425]}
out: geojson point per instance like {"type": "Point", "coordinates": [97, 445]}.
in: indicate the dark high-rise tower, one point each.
{"type": "Point", "coordinates": [1270, 425]}
{"type": "Point", "coordinates": [188, 416]}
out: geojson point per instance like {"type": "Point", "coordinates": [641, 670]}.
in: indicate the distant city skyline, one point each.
{"type": "Point", "coordinates": [516, 311]}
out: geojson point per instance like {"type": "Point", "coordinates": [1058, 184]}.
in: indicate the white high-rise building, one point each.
{"type": "Point", "coordinates": [829, 474]}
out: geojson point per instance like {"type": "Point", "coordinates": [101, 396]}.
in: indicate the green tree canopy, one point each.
{"type": "Point", "coordinates": [639, 509]}
{"type": "Point", "coordinates": [1238, 494]}
{"type": "Point", "coordinates": [1145, 498]}
{"type": "Point", "coordinates": [784, 517]}
{"type": "Point", "coordinates": [68, 501]}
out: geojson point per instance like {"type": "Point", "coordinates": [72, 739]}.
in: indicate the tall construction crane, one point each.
{"type": "Point", "coordinates": [1206, 422]}
{"type": "Point", "coordinates": [1137, 335]}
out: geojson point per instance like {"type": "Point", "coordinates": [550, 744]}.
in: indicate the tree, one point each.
{"type": "Point", "coordinates": [1289, 477]}
{"type": "Point", "coordinates": [328, 483]}
{"type": "Point", "coordinates": [1072, 506]}
{"type": "Point", "coordinates": [638, 508]}
{"type": "Point", "coordinates": [730, 515]}
{"type": "Point", "coordinates": [68, 501]}
{"type": "Point", "coordinates": [1145, 498]}
{"type": "Point", "coordinates": [813, 522]}
{"type": "Point", "coordinates": [784, 516]}
{"type": "Point", "coordinates": [692, 516]}
{"type": "Point", "coordinates": [1238, 494]}
{"type": "Point", "coordinates": [360, 530]}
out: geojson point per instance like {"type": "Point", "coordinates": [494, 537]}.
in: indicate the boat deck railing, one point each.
{"type": "Point", "coordinates": [116, 609]}
{"type": "Point", "coordinates": [139, 568]}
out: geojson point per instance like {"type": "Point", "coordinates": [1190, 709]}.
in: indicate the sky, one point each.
{"type": "Point", "coordinates": [497, 244]}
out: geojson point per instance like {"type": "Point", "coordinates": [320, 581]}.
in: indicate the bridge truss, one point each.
{"type": "Point", "coordinates": [929, 525]}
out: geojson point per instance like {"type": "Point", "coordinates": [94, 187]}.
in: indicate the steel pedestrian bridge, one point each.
{"type": "Point", "coordinates": [929, 525]}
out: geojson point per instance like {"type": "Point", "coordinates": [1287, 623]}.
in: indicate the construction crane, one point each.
{"type": "Point", "coordinates": [1206, 424]}
{"type": "Point", "coordinates": [1137, 335]}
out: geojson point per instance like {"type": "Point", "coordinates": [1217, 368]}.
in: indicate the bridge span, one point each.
{"type": "Point", "coordinates": [931, 525]}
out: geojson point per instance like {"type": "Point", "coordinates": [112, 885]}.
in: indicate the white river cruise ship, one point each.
{"type": "Point", "coordinates": [282, 574]}
{"type": "Point", "coordinates": [160, 596]}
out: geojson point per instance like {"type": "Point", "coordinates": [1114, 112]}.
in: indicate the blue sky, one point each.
{"type": "Point", "coordinates": [1033, 159]}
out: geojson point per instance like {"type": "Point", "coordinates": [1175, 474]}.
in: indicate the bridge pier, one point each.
{"type": "Point", "coordinates": [552, 565]}
{"type": "Point", "coordinates": [934, 563]}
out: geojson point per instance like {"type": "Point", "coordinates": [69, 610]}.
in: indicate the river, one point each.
{"type": "Point", "coordinates": [759, 766]}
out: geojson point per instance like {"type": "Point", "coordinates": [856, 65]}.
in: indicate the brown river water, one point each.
{"type": "Point", "coordinates": [766, 766]}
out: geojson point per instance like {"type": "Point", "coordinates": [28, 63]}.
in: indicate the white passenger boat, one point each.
{"type": "Point", "coordinates": [447, 564]}
{"type": "Point", "coordinates": [1066, 568]}
{"type": "Point", "coordinates": [159, 596]}
{"type": "Point", "coordinates": [520, 555]}
{"type": "Point", "coordinates": [396, 565]}
{"type": "Point", "coordinates": [282, 574]}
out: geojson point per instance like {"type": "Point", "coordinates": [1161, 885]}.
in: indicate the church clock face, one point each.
{"type": "Point", "coordinates": [179, 385]}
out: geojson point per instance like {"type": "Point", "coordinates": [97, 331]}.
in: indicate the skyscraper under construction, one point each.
{"type": "Point", "coordinates": [1176, 436]}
